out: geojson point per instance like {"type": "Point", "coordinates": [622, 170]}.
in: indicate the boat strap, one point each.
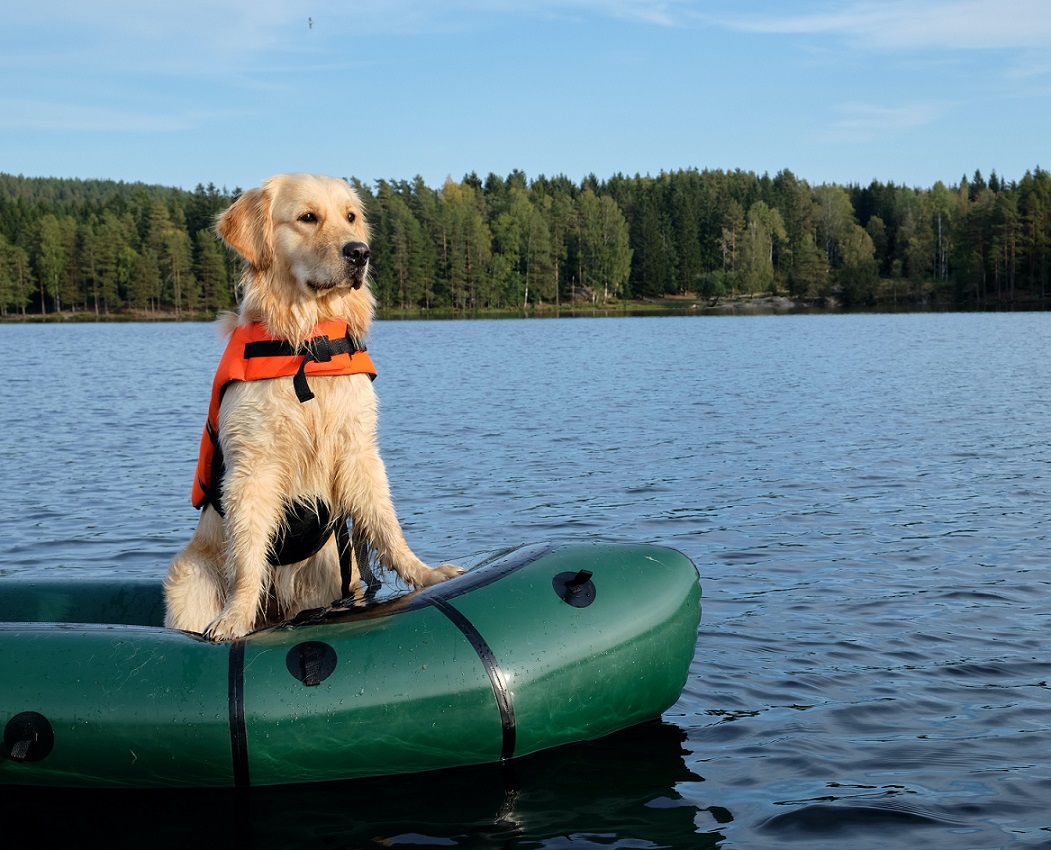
{"type": "Point", "coordinates": [492, 667]}
{"type": "Point", "coordinates": [238, 727]}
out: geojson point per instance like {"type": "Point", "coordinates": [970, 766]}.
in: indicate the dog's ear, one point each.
{"type": "Point", "coordinates": [246, 227]}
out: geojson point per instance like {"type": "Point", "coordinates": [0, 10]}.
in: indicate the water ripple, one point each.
{"type": "Point", "coordinates": [866, 497]}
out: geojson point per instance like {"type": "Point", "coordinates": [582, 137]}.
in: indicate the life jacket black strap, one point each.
{"type": "Point", "coordinates": [215, 491]}
{"type": "Point", "coordinates": [346, 565]}
{"type": "Point", "coordinates": [320, 349]}
{"type": "Point", "coordinates": [353, 548]}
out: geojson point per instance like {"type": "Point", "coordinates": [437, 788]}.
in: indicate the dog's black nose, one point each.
{"type": "Point", "coordinates": [356, 253]}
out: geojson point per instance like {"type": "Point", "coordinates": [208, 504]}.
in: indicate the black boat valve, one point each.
{"type": "Point", "coordinates": [576, 589]}
{"type": "Point", "coordinates": [28, 737]}
{"type": "Point", "coordinates": [311, 662]}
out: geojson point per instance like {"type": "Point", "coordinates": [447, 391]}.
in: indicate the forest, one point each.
{"type": "Point", "coordinates": [110, 249]}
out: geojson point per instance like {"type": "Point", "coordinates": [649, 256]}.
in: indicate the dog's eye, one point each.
{"type": "Point", "coordinates": [351, 217]}
{"type": "Point", "coordinates": [308, 218]}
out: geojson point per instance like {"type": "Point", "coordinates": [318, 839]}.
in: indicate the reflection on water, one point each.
{"type": "Point", "coordinates": [622, 791]}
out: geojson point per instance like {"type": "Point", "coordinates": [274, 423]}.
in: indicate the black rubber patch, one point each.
{"type": "Point", "coordinates": [28, 737]}
{"type": "Point", "coordinates": [311, 662]}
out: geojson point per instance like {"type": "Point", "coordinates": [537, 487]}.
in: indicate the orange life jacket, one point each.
{"type": "Point", "coordinates": [253, 355]}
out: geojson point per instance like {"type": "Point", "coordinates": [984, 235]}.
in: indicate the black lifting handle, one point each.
{"type": "Point", "coordinates": [20, 749]}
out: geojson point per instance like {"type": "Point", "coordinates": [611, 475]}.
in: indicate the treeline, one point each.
{"type": "Point", "coordinates": [103, 247]}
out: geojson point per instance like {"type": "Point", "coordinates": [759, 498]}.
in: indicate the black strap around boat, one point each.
{"type": "Point", "coordinates": [492, 667]}
{"type": "Point", "coordinates": [320, 349]}
{"type": "Point", "coordinates": [238, 729]}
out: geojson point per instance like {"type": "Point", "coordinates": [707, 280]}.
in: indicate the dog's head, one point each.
{"type": "Point", "coordinates": [305, 241]}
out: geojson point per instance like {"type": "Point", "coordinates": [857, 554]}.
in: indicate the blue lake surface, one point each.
{"type": "Point", "coordinates": [866, 498]}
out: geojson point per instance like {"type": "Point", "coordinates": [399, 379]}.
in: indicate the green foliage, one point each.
{"type": "Point", "coordinates": [16, 283]}
{"type": "Point", "coordinates": [763, 235]}
{"type": "Point", "coordinates": [510, 243]}
{"type": "Point", "coordinates": [210, 270]}
{"type": "Point", "coordinates": [102, 247]}
{"type": "Point", "coordinates": [859, 272]}
{"type": "Point", "coordinates": [604, 247]}
{"type": "Point", "coordinates": [714, 285]}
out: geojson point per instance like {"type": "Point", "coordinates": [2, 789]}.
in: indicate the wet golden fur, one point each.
{"type": "Point", "coordinates": [291, 233]}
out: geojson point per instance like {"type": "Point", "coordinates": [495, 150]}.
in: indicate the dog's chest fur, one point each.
{"type": "Point", "coordinates": [263, 426]}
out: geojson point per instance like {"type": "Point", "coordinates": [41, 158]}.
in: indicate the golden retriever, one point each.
{"type": "Point", "coordinates": [304, 240]}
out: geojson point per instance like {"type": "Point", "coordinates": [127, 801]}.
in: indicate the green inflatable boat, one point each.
{"type": "Point", "coordinates": [532, 648]}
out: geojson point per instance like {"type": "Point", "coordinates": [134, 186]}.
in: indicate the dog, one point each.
{"type": "Point", "coordinates": [296, 456]}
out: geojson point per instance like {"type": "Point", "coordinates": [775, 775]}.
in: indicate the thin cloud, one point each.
{"type": "Point", "coordinates": [226, 34]}
{"type": "Point", "coordinates": [252, 25]}
{"type": "Point", "coordinates": [231, 21]}
{"type": "Point", "coordinates": [668, 13]}
{"type": "Point", "coordinates": [869, 119]}
{"type": "Point", "coordinates": [35, 115]}
{"type": "Point", "coordinates": [414, 13]}
{"type": "Point", "coordinates": [863, 123]}
{"type": "Point", "coordinates": [1029, 65]}
{"type": "Point", "coordinates": [166, 38]}
{"type": "Point", "coordinates": [916, 24]}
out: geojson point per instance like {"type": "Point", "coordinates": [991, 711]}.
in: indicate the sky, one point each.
{"type": "Point", "coordinates": [229, 92]}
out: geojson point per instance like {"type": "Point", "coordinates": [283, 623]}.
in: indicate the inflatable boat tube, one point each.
{"type": "Point", "coordinates": [531, 648]}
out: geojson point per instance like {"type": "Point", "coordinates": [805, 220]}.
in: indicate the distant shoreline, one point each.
{"type": "Point", "coordinates": [666, 306]}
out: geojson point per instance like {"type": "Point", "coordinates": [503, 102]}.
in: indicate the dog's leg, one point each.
{"type": "Point", "coordinates": [194, 588]}
{"type": "Point", "coordinates": [313, 583]}
{"type": "Point", "coordinates": [364, 491]}
{"type": "Point", "coordinates": [254, 511]}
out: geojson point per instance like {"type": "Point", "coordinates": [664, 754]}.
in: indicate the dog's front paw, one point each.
{"type": "Point", "coordinates": [225, 627]}
{"type": "Point", "coordinates": [438, 574]}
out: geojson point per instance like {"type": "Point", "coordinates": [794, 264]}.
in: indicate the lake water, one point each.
{"type": "Point", "coordinates": [866, 498]}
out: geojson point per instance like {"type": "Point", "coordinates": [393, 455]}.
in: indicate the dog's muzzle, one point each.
{"type": "Point", "coordinates": [356, 256]}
